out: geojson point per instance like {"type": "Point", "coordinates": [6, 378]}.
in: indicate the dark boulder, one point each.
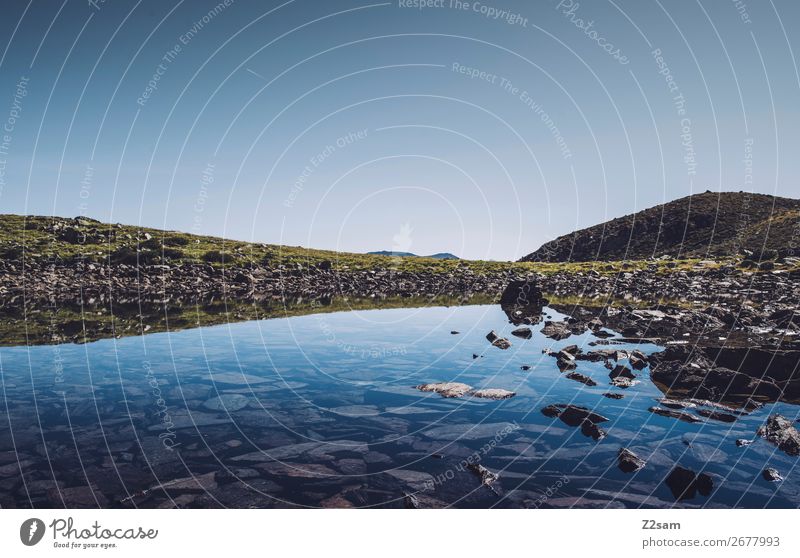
{"type": "Point", "coordinates": [497, 341]}
{"type": "Point", "coordinates": [629, 462]}
{"type": "Point", "coordinates": [621, 371]}
{"type": "Point", "coordinates": [771, 475]}
{"type": "Point", "coordinates": [680, 415]}
{"type": "Point", "coordinates": [581, 378]}
{"type": "Point", "coordinates": [780, 431]}
{"type": "Point", "coordinates": [523, 332]}
{"type": "Point", "coordinates": [573, 415]}
{"type": "Point", "coordinates": [556, 330]}
{"type": "Point", "coordinates": [717, 415]}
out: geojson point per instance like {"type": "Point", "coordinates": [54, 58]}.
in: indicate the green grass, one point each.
{"type": "Point", "coordinates": [59, 240]}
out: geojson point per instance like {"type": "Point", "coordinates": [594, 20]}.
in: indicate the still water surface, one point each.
{"type": "Point", "coordinates": [321, 410]}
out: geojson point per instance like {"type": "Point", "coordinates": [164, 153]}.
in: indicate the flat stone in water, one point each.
{"type": "Point", "coordinates": [229, 402]}
{"type": "Point", "coordinates": [356, 410]}
{"type": "Point", "coordinates": [416, 480]}
{"type": "Point", "coordinates": [582, 378]}
{"type": "Point", "coordinates": [446, 389]}
{"type": "Point", "coordinates": [468, 431]}
{"type": "Point", "coordinates": [493, 393]}
{"type": "Point", "coordinates": [235, 378]}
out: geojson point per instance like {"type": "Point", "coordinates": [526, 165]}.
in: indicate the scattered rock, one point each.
{"type": "Point", "coordinates": [566, 361]}
{"type": "Point", "coordinates": [575, 416]}
{"type": "Point", "coordinates": [717, 415]}
{"type": "Point", "coordinates": [556, 330]}
{"type": "Point", "coordinates": [446, 389]}
{"type": "Point", "coordinates": [780, 431]}
{"type": "Point", "coordinates": [621, 371]}
{"type": "Point", "coordinates": [523, 332]}
{"type": "Point", "coordinates": [592, 430]}
{"type": "Point", "coordinates": [622, 382]}
{"type": "Point", "coordinates": [487, 477]}
{"type": "Point", "coordinates": [493, 393]}
{"type": "Point", "coordinates": [229, 402]}
{"type": "Point", "coordinates": [581, 378]}
{"type": "Point", "coordinates": [742, 443]}
{"type": "Point", "coordinates": [497, 341]}
{"type": "Point", "coordinates": [680, 415]}
{"type": "Point", "coordinates": [572, 415]}
{"type": "Point", "coordinates": [628, 461]}
{"type": "Point", "coordinates": [771, 475]}
{"type": "Point", "coordinates": [410, 501]}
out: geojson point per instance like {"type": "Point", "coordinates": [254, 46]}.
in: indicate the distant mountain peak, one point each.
{"type": "Point", "coordinates": [437, 256]}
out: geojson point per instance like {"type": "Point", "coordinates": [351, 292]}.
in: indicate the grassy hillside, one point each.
{"type": "Point", "coordinates": [703, 225]}
{"type": "Point", "coordinates": [63, 241]}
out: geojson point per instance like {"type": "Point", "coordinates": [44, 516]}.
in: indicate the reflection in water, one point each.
{"type": "Point", "coordinates": [321, 410]}
{"type": "Point", "coordinates": [83, 324]}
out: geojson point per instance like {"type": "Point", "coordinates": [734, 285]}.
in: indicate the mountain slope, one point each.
{"type": "Point", "coordinates": [707, 224]}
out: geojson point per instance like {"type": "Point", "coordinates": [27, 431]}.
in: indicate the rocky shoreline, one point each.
{"type": "Point", "coordinates": [39, 283]}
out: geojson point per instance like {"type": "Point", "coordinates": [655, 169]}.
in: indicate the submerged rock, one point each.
{"type": "Point", "coordinates": [685, 483]}
{"type": "Point", "coordinates": [628, 461]}
{"type": "Point", "coordinates": [229, 402]}
{"type": "Point", "coordinates": [446, 389]}
{"type": "Point", "coordinates": [497, 341]}
{"type": "Point", "coordinates": [780, 431]}
{"type": "Point", "coordinates": [556, 330]}
{"type": "Point", "coordinates": [613, 395]}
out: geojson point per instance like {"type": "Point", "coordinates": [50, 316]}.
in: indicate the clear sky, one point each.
{"type": "Point", "coordinates": [478, 128]}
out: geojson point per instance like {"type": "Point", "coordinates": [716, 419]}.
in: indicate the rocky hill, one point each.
{"type": "Point", "coordinates": [703, 225]}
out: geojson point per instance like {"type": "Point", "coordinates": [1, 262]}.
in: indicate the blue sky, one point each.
{"type": "Point", "coordinates": [480, 128]}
